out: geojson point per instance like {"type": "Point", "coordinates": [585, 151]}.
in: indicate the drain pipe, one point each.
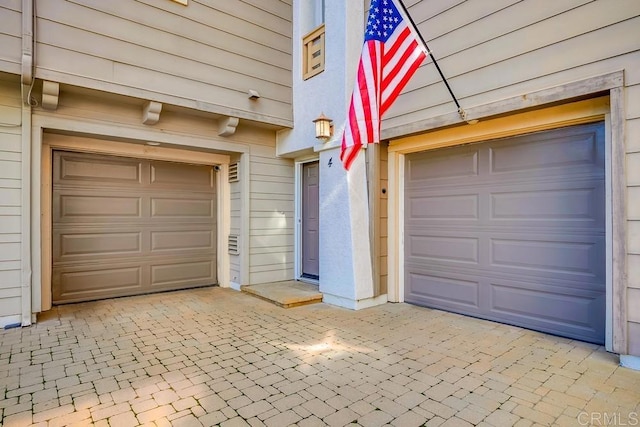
{"type": "Point", "coordinates": [27, 45]}
{"type": "Point", "coordinates": [27, 81]}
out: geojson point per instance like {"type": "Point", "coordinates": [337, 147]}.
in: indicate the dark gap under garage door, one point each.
{"type": "Point", "coordinates": [511, 230]}
{"type": "Point", "coordinates": [124, 226]}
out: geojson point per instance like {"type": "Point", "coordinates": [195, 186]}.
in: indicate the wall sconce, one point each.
{"type": "Point", "coordinates": [324, 127]}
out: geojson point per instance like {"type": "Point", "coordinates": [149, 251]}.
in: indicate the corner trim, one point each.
{"type": "Point", "coordinates": [619, 219]}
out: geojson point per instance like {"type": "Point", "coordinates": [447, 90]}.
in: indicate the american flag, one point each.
{"type": "Point", "coordinates": [390, 55]}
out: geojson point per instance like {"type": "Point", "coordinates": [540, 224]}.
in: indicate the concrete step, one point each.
{"type": "Point", "coordinates": [285, 294]}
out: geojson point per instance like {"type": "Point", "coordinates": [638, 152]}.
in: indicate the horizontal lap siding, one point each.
{"type": "Point", "coordinates": [208, 52]}
{"type": "Point", "coordinates": [271, 216]}
{"type": "Point", "coordinates": [10, 198]}
{"type": "Point", "coordinates": [10, 35]}
{"type": "Point", "coordinates": [493, 50]}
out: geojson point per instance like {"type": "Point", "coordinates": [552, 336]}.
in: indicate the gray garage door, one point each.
{"type": "Point", "coordinates": [511, 230]}
{"type": "Point", "coordinates": [126, 226]}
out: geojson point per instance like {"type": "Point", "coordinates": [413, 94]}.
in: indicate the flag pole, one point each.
{"type": "Point", "coordinates": [461, 112]}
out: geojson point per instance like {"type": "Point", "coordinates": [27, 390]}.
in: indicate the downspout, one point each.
{"type": "Point", "coordinates": [27, 81]}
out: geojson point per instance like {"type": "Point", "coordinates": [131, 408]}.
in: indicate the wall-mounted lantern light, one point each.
{"type": "Point", "coordinates": [324, 127]}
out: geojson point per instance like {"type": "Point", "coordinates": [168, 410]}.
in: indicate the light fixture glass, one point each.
{"type": "Point", "coordinates": [324, 127]}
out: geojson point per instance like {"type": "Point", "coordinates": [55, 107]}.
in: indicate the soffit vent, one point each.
{"type": "Point", "coordinates": [234, 247]}
{"type": "Point", "coordinates": [234, 172]}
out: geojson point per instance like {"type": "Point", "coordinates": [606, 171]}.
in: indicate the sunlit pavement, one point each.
{"type": "Point", "coordinates": [219, 357]}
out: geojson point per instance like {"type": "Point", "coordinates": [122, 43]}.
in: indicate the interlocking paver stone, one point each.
{"type": "Point", "coordinates": [214, 356]}
{"type": "Point", "coordinates": [341, 418]}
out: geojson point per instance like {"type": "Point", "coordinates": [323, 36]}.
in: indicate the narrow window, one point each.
{"type": "Point", "coordinates": [313, 44]}
{"type": "Point", "coordinates": [313, 51]}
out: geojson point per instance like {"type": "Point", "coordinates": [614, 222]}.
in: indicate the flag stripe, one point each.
{"type": "Point", "coordinates": [399, 79]}
{"type": "Point", "coordinates": [391, 54]}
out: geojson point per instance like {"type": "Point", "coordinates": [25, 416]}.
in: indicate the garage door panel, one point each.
{"type": "Point", "coordinates": [73, 245]}
{"type": "Point", "coordinates": [529, 227]}
{"type": "Point", "coordinates": [162, 241]}
{"type": "Point", "coordinates": [577, 258]}
{"type": "Point", "coordinates": [75, 284]}
{"type": "Point", "coordinates": [537, 154]}
{"type": "Point", "coordinates": [198, 272]}
{"type": "Point", "coordinates": [580, 313]}
{"type": "Point", "coordinates": [76, 206]}
{"type": "Point", "coordinates": [572, 204]}
{"type": "Point", "coordinates": [92, 244]}
{"type": "Point", "coordinates": [174, 175]}
{"type": "Point", "coordinates": [444, 207]}
{"type": "Point", "coordinates": [75, 168]}
{"type": "Point", "coordinates": [446, 248]}
{"type": "Point", "coordinates": [447, 292]}
{"type": "Point", "coordinates": [182, 207]}
{"type": "Point", "coordinates": [448, 164]}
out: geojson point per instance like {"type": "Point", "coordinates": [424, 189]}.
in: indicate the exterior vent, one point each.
{"type": "Point", "coordinates": [233, 172]}
{"type": "Point", "coordinates": [234, 247]}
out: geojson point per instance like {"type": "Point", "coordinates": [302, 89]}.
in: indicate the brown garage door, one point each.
{"type": "Point", "coordinates": [125, 226]}
{"type": "Point", "coordinates": [511, 230]}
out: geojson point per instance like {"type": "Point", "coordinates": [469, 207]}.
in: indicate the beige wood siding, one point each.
{"type": "Point", "coordinates": [494, 50]}
{"type": "Point", "coordinates": [271, 216]}
{"type": "Point", "coordinates": [10, 197]}
{"type": "Point", "coordinates": [206, 55]}
{"type": "Point", "coordinates": [10, 35]}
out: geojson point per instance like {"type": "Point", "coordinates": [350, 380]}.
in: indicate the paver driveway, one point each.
{"type": "Point", "coordinates": [215, 356]}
